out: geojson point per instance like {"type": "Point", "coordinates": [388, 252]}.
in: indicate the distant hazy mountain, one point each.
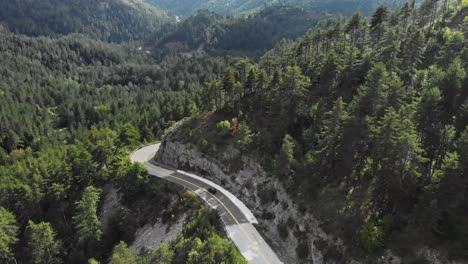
{"type": "Point", "coordinates": [252, 34]}
{"type": "Point", "coordinates": [113, 20]}
{"type": "Point", "coordinates": [234, 7]}
{"type": "Point", "coordinates": [224, 7]}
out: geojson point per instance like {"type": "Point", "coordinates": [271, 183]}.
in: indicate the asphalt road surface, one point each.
{"type": "Point", "coordinates": [237, 218]}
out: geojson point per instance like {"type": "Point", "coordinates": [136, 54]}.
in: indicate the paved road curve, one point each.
{"type": "Point", "coordinates": [236, 217]}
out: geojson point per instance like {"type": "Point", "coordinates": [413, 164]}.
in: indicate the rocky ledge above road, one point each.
{"type": "Point", "coordinates": [263, 195]}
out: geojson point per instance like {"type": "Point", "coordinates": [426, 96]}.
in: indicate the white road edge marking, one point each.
{"type": "Point", "coordinates": [243, 208]}
{"type": "Point", "coordinates": [249, 249]}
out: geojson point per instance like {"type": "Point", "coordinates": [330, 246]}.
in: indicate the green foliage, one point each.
{"type": "Point", "coordinates": [240, 35]}
{"type": "Point", "coordinates": [372, 96]}
{"type": "Point", "coordinates": [214, 250]}
{"type": "Point", "coordinates": [375, 108]}
{"type": "Point", "coordinates": [372, 107]}
{"type": "Point", "coordinates": [239, 7]}
{"type": "Point", "coordinates": [4, 158]}
{"type": "Point", "coordinates": [162, 255]}
{"type": "Point", "coordinates": [453, 46]}
{"type": "Point", "coordinates": [200, 242]}
{"type": "Point", "coordinates": [101, 142]}
{"type": "Point", "coordinates": [8, 234]}
{"type": "Point", "coordinates": [203, 223]}
{"type": "Point", "coordinates": [285, 156]}
{"type": "Point", "coordinates": [93, 261]}
{"type": "Point", "coordinates": [42, 244]}
{"type": "Point", "coordinates": [447, 184]}
{"type": "Point", "coordinates": [134, 179]}
{"type": "Point", "coordinates": [68, 124]}
{"type": "Point", "coordinates": [86, 221]}
{"type": "Point", "coordinates": [123, 254]}
{"type": "Point", "coordinates": [129, 135]}
{"type": "Point", "coordinates": [112, 20]}
{"type": "Point", "coordinates": [245, 135]}
{"type": "Point", "coordinates": [371, 237]}
{"type": "Point", "coordinates": [76, 83]}
{"type": "Point", "coordinates": [224, 128]}
{"type": "Point", "coordinates": [332, 149]}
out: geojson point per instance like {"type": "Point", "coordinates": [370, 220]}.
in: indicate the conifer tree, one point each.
{"type": "Point", "coordinates": [8, 235]}
{"type": "Point", "coordinates": [42, 244]}
{"type": "Point", "coordinates": [86, 221]}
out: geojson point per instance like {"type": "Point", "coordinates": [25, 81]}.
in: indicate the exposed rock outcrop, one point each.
{"type": "Point", "coordinates": [264, 195]}
{"type": "Point", "coordinates": [148, 237]}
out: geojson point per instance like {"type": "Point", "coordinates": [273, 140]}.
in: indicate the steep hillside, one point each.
{"type": "Point", "coordinates": [112, 20]}
{"type": "Point", "coordinates": [181, 7]}
{"type": "Point", "coordinates": [250, 35]}
{"type": "Point", "coordinates": [235, 7]}
{"type": "Point", "coordinates": [364, 124]}
{"type": "Point", "coordinates": [74, 82]}
{"type": "Point", "coordinates": [230, 7]}
{"type": "Point", "coordinates": [70, 109]}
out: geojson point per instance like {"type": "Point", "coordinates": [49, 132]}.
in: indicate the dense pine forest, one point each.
{"type": "Point", "coordinates": [246, 7]}
{"type": "Point", "coordinates": [71, 109]}
{"type": "Point", "coordinates": [250, 36]}
{"type": "Point", "coordinates": [363, 119]}
{"type": "Point", "coordinates": [115, 20]}
{"type": "Point", "coordinates": [365, 123]}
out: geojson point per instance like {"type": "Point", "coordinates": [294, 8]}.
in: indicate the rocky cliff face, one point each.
{"type": "Point", "coordinates": [148, 237]}
{"type": "Point", "coordinates": [290, 231]}
{"type": "Point", "coordinates": [262, 194]}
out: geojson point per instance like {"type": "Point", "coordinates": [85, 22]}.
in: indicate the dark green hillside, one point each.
{"type": "Point", "coordinates": [251, 35]}
{"type": "Point", "coordinates": [363, 120]}
{"type": "Point", "coordinates": [70, 110]}
{"type": "Point", "coordinates": [112, 20]}
{"type": "Point", "coordinates": [180, 7]}
{"type": "Point", "coordinates": [365, 123]}
{"type": "Point", "coordinates": [226, 7]}
{"type": "Point", "coordinates": [74, 83]}
{"type": "Point", "coordinates": [236, 7]}
{"type": "Point", "coordinates": [347, 6]}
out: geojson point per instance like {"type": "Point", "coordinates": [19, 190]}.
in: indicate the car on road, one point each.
{"type": "Point", "coordinates": [212, 190]}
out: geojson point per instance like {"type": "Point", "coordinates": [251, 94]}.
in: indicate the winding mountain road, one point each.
{"type": "Point", "coordinates": [237, 218]}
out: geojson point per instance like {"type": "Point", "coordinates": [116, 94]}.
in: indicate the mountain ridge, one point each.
{"type": "Point", "coordinates": [110, 20]}
{"type": "Point", "coordinates": [239, 7]}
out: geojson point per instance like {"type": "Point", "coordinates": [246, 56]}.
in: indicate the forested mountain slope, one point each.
{"type": "Point", "coordinates": [365, 123]}
{"type": "Point", "coordinates": [250, 35]}
{"type": "Point", "coordinates": [74, 83]}
{"type": "Point", "coordinates": [112, 20]}
{"type": "Point", "coordinates": [235, 7]}
{"type": "Point", "coordinates": [70, 110]}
